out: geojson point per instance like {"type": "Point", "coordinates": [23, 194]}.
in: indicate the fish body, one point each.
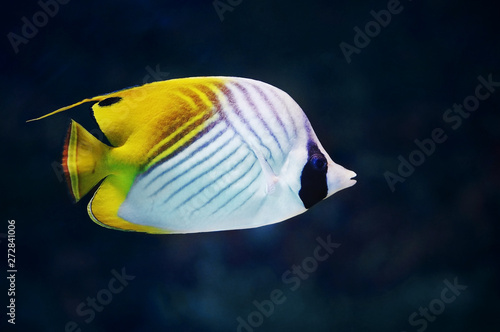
{"type": "Point", "coordinates": [199, 154]}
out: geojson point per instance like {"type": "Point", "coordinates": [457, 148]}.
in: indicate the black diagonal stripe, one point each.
{"type": "Point", "coordinates": [243, 174]}
{"type": "Point", "coordinates": [235, 107]}
{"type": "Point", "coordinates": [200, 164]}
{"type": "Point", "coordinates": [240, 192]}
{"type": "Point", "coordinates": [272, 107]}
{"type": "Point", "coordinates": [254, 108]}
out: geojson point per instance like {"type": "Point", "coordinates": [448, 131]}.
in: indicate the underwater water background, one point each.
{"type": "Point", "coordinates": [420, 256]}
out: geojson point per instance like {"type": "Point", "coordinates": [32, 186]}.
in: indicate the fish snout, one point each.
{"type": "Point", "coordinates": [339, 177]}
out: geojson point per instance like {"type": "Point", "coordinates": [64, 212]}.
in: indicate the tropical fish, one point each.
{"type": "Point", "coordinates": [198, 154]}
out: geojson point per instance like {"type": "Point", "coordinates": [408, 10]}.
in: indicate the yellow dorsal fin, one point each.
{"type": "Point", "coordinates": [62, 109]}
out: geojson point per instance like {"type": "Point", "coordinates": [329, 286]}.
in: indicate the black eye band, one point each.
{"type": "Point", "coordinates": [314, 186]}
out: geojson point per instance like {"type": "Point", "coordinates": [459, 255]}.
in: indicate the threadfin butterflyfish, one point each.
{"type": "Point", "coordinates": [198, 154]}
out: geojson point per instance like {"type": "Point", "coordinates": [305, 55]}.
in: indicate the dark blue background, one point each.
{"type": "Point", "coordinates": [396, 249]}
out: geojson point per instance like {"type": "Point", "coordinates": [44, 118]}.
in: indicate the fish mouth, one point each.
{"type": "Point", "coordinates": [351, 182]}
{"type": "Point", "coordinates": [339, 178]}
{"type": "Point", "coordinates": [347, 180]}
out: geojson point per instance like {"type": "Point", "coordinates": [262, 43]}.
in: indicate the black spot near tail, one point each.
{"type": "Point", "coordinates": [109, 101]}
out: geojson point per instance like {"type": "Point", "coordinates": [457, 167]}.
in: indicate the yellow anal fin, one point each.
{"type": "Point", "coordinates": [103, 207]}
{"type": "Point", "coordinates": [84, 160]}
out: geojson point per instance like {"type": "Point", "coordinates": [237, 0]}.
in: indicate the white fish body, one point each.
{"type": "Point", "coordinates": [245, 171]}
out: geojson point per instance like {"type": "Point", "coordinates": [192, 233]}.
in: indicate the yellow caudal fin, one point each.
{"type": "Point", "coordinates": [86, 163]}
{"type": "Point", "coordinates": [84, 160]}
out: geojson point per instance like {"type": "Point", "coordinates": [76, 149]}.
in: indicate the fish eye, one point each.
{"type": "Point", "coordinates": [318, 162]}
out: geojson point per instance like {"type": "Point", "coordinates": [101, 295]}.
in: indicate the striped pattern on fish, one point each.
{"type": "Point", "coordinates": [243, 144]}
{"type": "Point", "coordinates": [199, 154]}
